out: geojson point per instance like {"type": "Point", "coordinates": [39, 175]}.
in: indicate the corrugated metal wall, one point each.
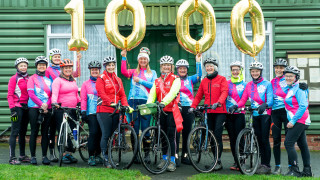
{"type": "Point", "coordinates": [22, 32]}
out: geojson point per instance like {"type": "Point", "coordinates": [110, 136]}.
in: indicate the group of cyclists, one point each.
{"type": "Point", "coordinates": [282, 101]}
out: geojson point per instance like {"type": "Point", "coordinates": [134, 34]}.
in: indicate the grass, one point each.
{"type": "Point", "coordinates": [53, 172]}
{"type": "Point", "coordinates": [241, 177]}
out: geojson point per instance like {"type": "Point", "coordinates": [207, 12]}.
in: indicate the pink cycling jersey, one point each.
{"type": "Point", "coordinates": [17, 91]}
{"type": "Point", "coordinates": [65, 92]}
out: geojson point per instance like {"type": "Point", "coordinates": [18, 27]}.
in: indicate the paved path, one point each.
{"type": "Point", "coordinates": [183, 172]}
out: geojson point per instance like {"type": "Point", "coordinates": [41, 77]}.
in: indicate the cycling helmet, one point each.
{"type": "Point", "coordinates": [108, 59]}
{"type": "Point", "coordinates": [94, 64]}
{"type": "Point", "coordinates": [280, 62]}
{"type": "Point", "coordinates": [210, 60]}
{"type": "Point", "coordinates": [66, 62]}
{"type": "Point", "coordinates": [21, 60]}
{"type": "Point", "coordinates": [256, 65]}
{"type": "Point", "coordinates": [41, 59]}
{"type": "Point", "coordinates": [236, 63]}
{"type": "Point", "coordinates": [166, 60]}
{"type": "Point", "coordinates": [145, 50]}
{"type": "Point", "coordinates": [294, 70]}
{"type": "Point", "coordinates": [54, 51]}
{"type": "Point", "coordinates": [182, 63]}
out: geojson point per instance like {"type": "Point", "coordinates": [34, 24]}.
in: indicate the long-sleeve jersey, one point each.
{"type": "Point", "coordinates": [280, 90]}
{"type": "Point", "coordinates": [89, 97]}
{"type": "Point", "coordinates": [235, 92]}
{"type": "Point", "coordinates": [17, 91]}
{"type": "Point", "coordinates": [65, 92]}
{"type": "Point", "coordinates": [141, 89]}
{"type": "Point", "coordinates": [258, 93]}
{"type": "Point", "coordinates": [39, 90]}
{"type": "Point", "coordinates": [53, 72]}
{"type": "Point", "coordinates": [186, 90]}
{"type": "Point", "coordinates": [296, 104]}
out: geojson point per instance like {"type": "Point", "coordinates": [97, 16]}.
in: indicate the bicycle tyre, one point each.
{"type": "Point", "coordinates": [243, 152]}
{"type": "Point", "coordinates": [83, 145]}
{"type": "Point", "coordinates": [62, 143]}
{"type": "Point", "coordinates": [121, 157]}
{"type": "Point", "coordinates": [203, 159]}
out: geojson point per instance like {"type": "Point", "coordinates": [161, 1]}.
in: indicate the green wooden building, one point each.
{"type": "Point", "coordinates": [30, 28]}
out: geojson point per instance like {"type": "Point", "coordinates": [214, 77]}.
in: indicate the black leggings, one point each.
{"type": "Point", "coordinates": [234, 124]}
{"type": "Point", "coordinates": [33, 117]}
{"type": "Point", "coordinates": [261, 125]}
{"type": "Point", "coordinates": [108, 124]}
{"type": "Point", "coordinates": [215, 124]}
{"type": "Point", "coordinates": [58, 116]}
{"type": "Point", "coordinates": [94, 135]}
{"type": "Point", "coordinates": [297, 134]}
{"type": "Point", "coordinates": [188, 119]}
{"type": "Point", "coordinates": [19, 128]}
{"type": "Point", "coordinates": [279, 117]}
{"type": "Point", "coordinates": [168, 125]}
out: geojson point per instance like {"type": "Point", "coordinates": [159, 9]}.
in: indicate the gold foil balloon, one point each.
{"type": "Point", "coordinates": [258, 28]}
{"type": "Point", "coordinates": [111, 23]}
{"type": "Point", "coordinates": [78, 41]}
{"type": "Point", "coordinates": [209, 26]}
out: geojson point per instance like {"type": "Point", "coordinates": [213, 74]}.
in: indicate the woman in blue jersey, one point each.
{"type": "Point", "coordinates": [186, 99]}
{"type": "Point", "coordinates": [261, 96]}
{"type": "Point", "coordinates": [142, 79]}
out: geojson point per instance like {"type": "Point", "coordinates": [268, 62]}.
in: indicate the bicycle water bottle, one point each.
{"type": "Point", "coordinates": [75, 132]}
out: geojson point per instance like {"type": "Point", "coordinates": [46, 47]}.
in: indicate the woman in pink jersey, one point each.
{"type": "Point", "coordinates": [65, 94]}
{"type": "Point", "coordinates": [52, 72]}
{"type": "Point", "coordinates": [17, 100]}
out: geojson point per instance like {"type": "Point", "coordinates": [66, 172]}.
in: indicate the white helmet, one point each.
{"type": "Point", "coordinates": [54, 51]}
{"type": "Point", "coordinates": [41, 59]}
{"type": "Point", "coordinates": [256, 65]}
{"type": "Point", "coordinates": [182, 63]}
{"type": "Point", "coordinates": [166, 60]}
{"type": "Point", "coordinates": [236, 63]}
{"type": "Point", "coordinates": [21, 60]}
{"type": "Point", "coordinates": [108, 59]}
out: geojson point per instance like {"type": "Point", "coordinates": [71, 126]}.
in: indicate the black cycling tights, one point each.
{"type": "Point", "coordinates": [94, 136]}
{"type": "Point", "coordinates": [297, 134]}
{"type": "Point", "coordinates": [188, 119]}
{"type": "Point", "coordinates": [261, 125]}
{"type": "Point", "coordinates": [33, 117]}
{"type": "Point", "coordinates": [169, 127]}
{"type": "Point", "coordinates": [215, 123]}
{"type": "Point", "coordinates": [279, 117]}
{"type": "Point", "coordinates": [19, 128]}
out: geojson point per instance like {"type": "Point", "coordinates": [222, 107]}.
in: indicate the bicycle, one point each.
{"type": "Point", "coordinates": [202, 145]}
{"type": "Point", "coordinates": [247, 147]}
{"type": "Point", "coordinates": [121, 151]}
{"type": "Point", "coordinates": [156, 140]}
{"type": "Point", "coordinates": [79, 141]}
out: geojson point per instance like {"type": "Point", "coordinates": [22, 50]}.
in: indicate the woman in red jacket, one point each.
{"type": "Point", "coordinates": [214, 87]}
{"type": "Point", "coordinates": [110, 91]}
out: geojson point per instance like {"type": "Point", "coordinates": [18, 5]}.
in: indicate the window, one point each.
{"type": "Point", "coordinates": [226, 52]}
{"type": "Point", "coordinates": [58, 36]}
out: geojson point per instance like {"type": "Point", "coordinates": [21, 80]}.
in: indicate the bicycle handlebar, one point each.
{"type": "Point", "coordinates": [248, 108]}
{"type": "Point", "coordinates": [119, 107]}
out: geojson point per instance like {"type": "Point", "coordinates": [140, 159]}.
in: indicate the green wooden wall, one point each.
{"type": "Point", "coordinates": [22, 30]}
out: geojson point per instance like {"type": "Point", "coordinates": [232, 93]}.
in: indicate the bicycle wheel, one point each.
{"type": "Point", "coordinates": [202, 149]}
{"type": "Point", "coordinates": [122, 147]}
{"type": "Point", "coordinates": [83, 145]}
{"type": "Point", "coordinates": [62, 143]}
{"type": "Point", "coordinates": [151, 148]}
{"type": "Point", "coordinates": [247, 152]}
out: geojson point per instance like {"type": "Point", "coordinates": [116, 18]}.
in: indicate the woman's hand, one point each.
{"type": "Point", "coordinates": [135, 79]}
{"type": "Point", "coordinates": [124, 53]}
{"type": "Point", "coordinates": [44, 106]}
{"type": "Point", "coordinates": [198, 57]}
{"type": "Point", "coordinates": [289, 125]}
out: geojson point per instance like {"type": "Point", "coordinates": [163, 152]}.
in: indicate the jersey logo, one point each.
{"type": "Point", "coordinates": [168, 83]}
{"type": "Point", "coordinates": [240, 87]}
{"type": "Point", "coordinates": [290, 94]}
{"type": "Point", "coordinates": [186, 82]}
{"type": "Point", "coordinates": [261, 89]}
{"type": "Point", "coordinates": [283, 84]}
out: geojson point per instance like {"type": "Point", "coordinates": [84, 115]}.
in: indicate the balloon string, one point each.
{"type": "Point", "coordinates": [196, 4]}
{"type": "Point", "coordinates": [124, 4]}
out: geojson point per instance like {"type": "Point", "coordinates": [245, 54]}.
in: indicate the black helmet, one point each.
{"type": "Point", "coordinates": [94, 64]}
{"type": "Point", "coordinates": [211, 60]}
{"type": "Point", "coordinates": [294, 70]}
{"type": "Point", "coordinates": [280, 62]}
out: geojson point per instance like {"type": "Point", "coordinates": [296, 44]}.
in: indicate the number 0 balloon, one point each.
{"type": "Point", "coordinates": [258, 28]}
{"type": "Point", "coordinates": [111, 23]}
